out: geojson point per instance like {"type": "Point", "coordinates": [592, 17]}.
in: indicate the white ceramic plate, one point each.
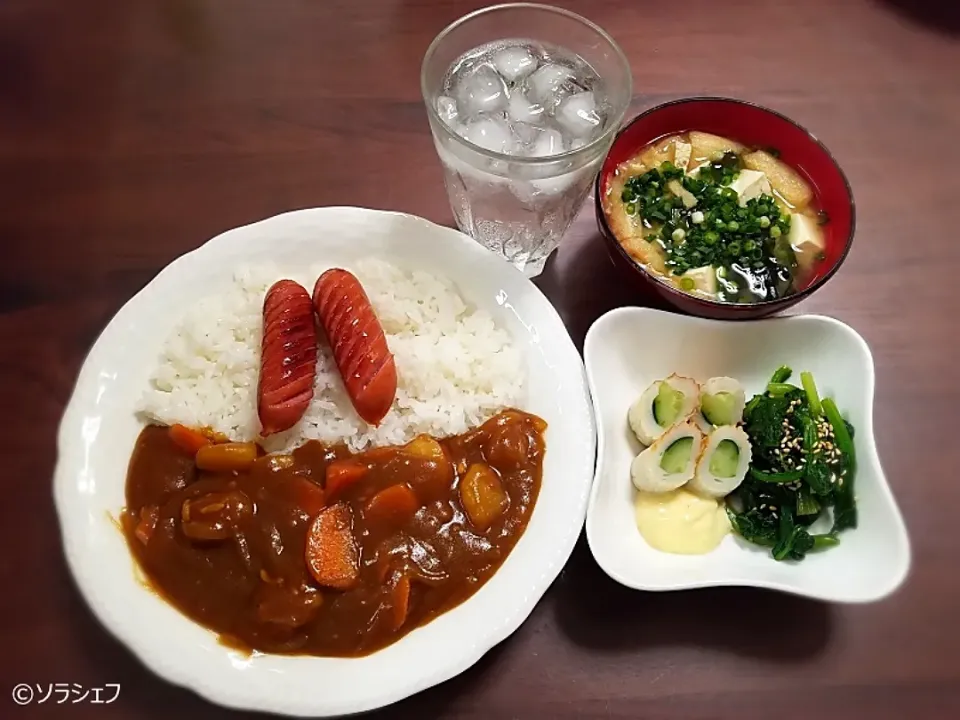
{"type": "Point", "coordinates": [629, 348]}
{"type": "Point", "coordinates": [99, 429]}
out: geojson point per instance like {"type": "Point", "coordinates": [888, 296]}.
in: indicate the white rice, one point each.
{"type": "Point", "coordinates": [455, 367]}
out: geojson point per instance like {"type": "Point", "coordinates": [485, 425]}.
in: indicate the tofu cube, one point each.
{"type": "Point", "coordinates": [704, 279]}
{"type": "Point", "coordinates": [806, 239]}
{"type": "Point", "coordinates": [750, 184]}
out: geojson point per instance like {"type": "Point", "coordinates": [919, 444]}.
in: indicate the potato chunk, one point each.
{"type": "Point", "coordinates": [785, 180]}
{"type": "Point", "coordinates": [711, 147]}
{"type": "Point", "coordinates": [482, 496]}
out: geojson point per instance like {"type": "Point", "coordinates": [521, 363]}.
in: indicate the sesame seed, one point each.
{"type": "Point", "coordinates": [763, 506]}
{"type": "Point", "coordinates": [773, 507]}
{"type": "Point", "coordinates": [840, 481]}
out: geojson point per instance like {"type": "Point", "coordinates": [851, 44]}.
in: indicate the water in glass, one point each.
{"type": "Point", "coordinates": [535, 103]}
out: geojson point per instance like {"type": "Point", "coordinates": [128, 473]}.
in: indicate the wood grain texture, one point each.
{"type": "Point", "coordinates": [133, 130]}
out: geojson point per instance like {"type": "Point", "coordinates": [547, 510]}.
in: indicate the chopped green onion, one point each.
{"type": "Point", "coordinates": [718, 231]}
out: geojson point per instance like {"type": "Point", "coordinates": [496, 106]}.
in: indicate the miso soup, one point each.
{"type": "Point", "coordinates": [716, 218]}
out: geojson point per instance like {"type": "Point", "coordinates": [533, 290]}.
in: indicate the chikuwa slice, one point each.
{"type": "Point", "coordinates": [724, 462]}
{"type": "Point", "coordinates": [670, 461]}
{"type": "Point", "coordinates": [722, 401]}
{"type": "Point", "coordinates": [662, 405]}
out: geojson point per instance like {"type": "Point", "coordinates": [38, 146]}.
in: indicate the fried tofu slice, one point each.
{"type": "Point", "coordinates": [784, 179]}
{"type": "Point", "coordinates": [711, 147]}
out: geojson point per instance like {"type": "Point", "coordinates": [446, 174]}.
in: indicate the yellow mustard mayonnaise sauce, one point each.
{"type": "Point", "coordinates": [680, 521]}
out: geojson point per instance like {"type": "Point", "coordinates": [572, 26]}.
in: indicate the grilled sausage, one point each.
{"type": "Point", "coordinates": [359, 345]}
{"type": "Point", "coordinates": [288, 362]}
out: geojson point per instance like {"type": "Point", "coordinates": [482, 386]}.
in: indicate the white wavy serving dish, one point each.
{"type": "Point", "coordinates": [629, 348]}
{"type": "Point", "coordinates": [99, 428]}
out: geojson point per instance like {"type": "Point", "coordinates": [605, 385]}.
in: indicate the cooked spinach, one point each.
{"type": "Point", "coordinates": [803, 466]}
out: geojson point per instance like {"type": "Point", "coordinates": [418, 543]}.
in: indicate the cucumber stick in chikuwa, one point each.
{"type": "Point", "coordinates": [802, 471]}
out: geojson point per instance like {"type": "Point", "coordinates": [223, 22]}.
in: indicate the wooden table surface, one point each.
{"type": "Point", "coordinates": [131, 131]}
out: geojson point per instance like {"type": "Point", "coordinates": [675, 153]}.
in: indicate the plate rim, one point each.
{"type": "Point", "coordinates": [897, 578]}
{"type": "Point", "coordinates": [449, 665]}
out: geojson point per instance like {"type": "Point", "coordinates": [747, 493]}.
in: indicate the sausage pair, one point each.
{"type": "Point", "coordinates": [289, 350]}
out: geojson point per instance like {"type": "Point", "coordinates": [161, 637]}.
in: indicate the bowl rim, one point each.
{"type": "Point", "coordinates": [674, 291]}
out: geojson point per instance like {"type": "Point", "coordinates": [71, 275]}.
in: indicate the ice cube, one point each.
{"type": "Point", "coordinates": [578, 115]}
{"type": "Point", "coordinates": [548, 142]}
{"type": "Point", "coordinates": [482, 91]}
{"type": "Point", "coordinates": [520, 109]}
{"type": "Point", "coordinates": [447, 110]}
{"type": "Point", "coordinates": [525, 133]}
{"type": "Point", "coordinates": [490, 134]}
{"type": "Point", "coordinates": [559, 184]}
{"type": "Point", "coordinates": [546, 81]}
{"type": "Point", "coordinates": [514, 63]}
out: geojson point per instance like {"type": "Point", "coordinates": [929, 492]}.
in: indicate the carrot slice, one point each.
{"type": "Point", "coordinates": [331, 552]}
{"type": "Point", "coordinates": [341, 474]}
{"type": "Point", "coordinates": [391, 506]}
{"type": "Point", "coordinates": [310, 496]}
{"type": "Point", "coordinates": [188, 439]}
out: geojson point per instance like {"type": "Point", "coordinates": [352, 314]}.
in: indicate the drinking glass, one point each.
{"type": "Point", "coordinates": [515, 204]}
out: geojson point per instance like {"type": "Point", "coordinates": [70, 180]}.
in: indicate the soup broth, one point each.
{"type": "Point", "coordinates": [717, 219]}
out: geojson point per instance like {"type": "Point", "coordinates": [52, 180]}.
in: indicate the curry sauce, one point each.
{"type": "Point", "coordinates": [325, 552]}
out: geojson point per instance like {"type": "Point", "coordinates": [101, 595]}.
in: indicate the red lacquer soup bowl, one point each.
{"type": "Point", "coordinates": [751, 125]}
